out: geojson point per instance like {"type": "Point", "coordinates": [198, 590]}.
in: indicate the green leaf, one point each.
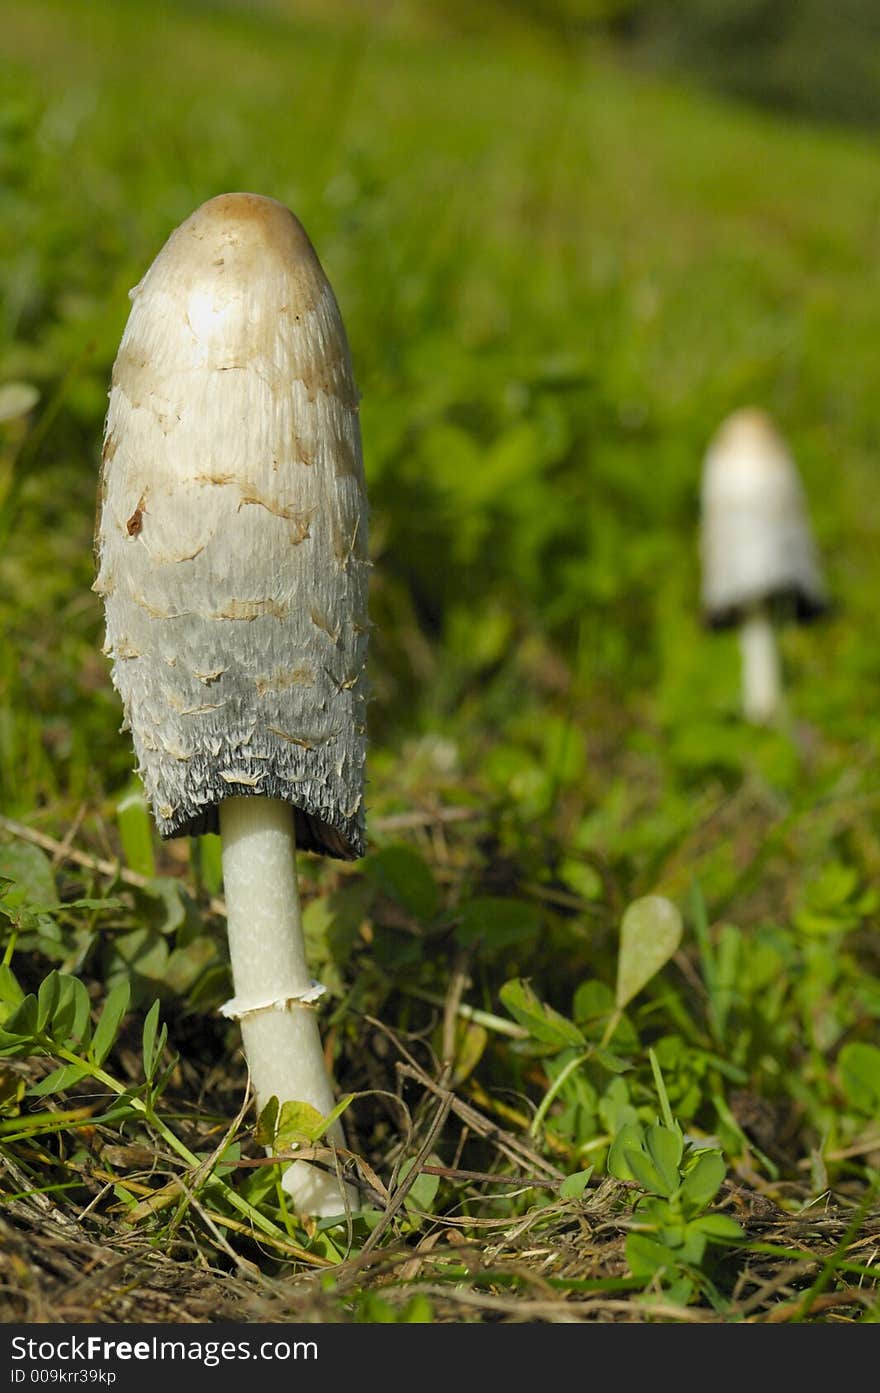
{"type": "Point", "coordinates": [592, 1005]}
{"type": "Point", "coordinates": [564, 750]}
{"type": "Point", "coordinates": [207, 852]}
{"type": "Point", "coordinates": [417, 1311]}
{"type": "Point", "coordinates": [679, 1291]}
{"type": "Point", "coordinates": [186, 966]}
{"type": "Point", "coordinates": [582, 878]}
{"type": "Point", "coordinates": [136, 830]}
{"type": "Point", "coordinates": [150, 1051]}
{"type": "Point", "coordinates": [646, 1256]}
{"type": "Point", "coordinates": [226, 1162]}
{"type": "Point", "coordinates": [47, 1000]}
{"type": "Point", "coordinates": [334, 1116]}
{"type": "Point", "coordinates": [267, 1124]}
{"type": "Point", "coordinates": [655, 1210]}
{"type": "Point", "coordinates": [629, 1138]}
{"type": "Point", "coordinates": [424, 1188]}
{"type": "Point", "coordinates": [541, 1021]}
{"type": "Point", "coordinates": [59, 1079]}
{"type": "Point", "coordinates": [12, 1044]}
{"type": "Point", "coordinates": [65, 1013]}
{"type": "Point", "coordinates": [403, 875]}
{"type": "Point", "coordinates": [80, 1026]}
{"type": "Point", "coordinates": [859, 1065]}
{"type": "Point", "coordinates": [496, 922]}
{"type": "Point", "coordinates": [719, 1228]}
{"type": "Point", "coordinates": [647, 1174]}
{"type": "Point", "coordinates": [17, 1036]}
{"type": "Point", "coordinates": [704, 1179]}
{"type": "Point", "coordinates": [300, 1122]}
{"type": "Point", "coordinates": [103, 905]}
{"type": "Point", "coordinates": [692, 1246]}
{"type": "Point", "coordinates": [665, 1148]}
{"type": "Point", "coordinates": [31, 872]}
{"type": "Point", "coordinates": [833, 886]}
{"type": "Point", "coordinates": [649, 935]}
{"type": "Point", "coordinates": [166, 908]}
{"type": "Point", "coordinates": [731, 946]}
{"type": "Point", "coordinates": [106, 1030]}
{"type": "Point", "coordinates": [662, 1094]}
{"type": "Point", "coordinates": [331, 925]}
{"type": "Point", "coordinates": [833, 902]}
{"type": "Point", "coordinates": [140, 959]}
{"type": "Point", "coordinates": [470, 1043]}
{"type": "Point", "coordinates": [611, 1063]}
{"type": "Point", "coordinates": [11, 994]}
{"type": "Point", "coordinates": [616, 1110]}
{"type": "Point", "coordinates": [574, 1185]}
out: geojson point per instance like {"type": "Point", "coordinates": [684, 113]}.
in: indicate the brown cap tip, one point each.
{"type": "Point", "coordinates": [249, 219]}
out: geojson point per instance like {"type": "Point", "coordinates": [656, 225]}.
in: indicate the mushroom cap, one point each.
{"type": "Point", "coordinates": [756, 545]}
{"type": "Point", "coordinates": [232, 530]}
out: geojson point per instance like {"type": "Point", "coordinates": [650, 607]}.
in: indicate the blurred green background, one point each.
{"type": "Point", "coordinates": [558, 269]}
{"type": "Point", "coordinates": [567, 238]}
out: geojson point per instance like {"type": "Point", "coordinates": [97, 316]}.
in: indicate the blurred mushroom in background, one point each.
{"type": "Point", "coordinates": [759, 564]}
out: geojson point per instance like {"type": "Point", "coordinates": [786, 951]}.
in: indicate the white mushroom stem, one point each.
{"type": "Point", "coordinates": [273, 988]}
{"type": "Point", "coordinates": [761, 677]}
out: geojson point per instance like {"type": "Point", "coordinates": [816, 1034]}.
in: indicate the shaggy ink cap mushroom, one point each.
{"type": "Point", "coordinates": [756, 543]}
{"type": "Point", "coordinates": [757, 551]}
{"type": "Point", "coordinates": [233, 530]}
{"type": "Point", "coordinates": [232, 562]}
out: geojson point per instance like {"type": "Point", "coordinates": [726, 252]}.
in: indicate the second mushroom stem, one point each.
{"type": "Point", "coordinates": [271, 980]}
{"type": "Point", "coordinates": [761, 675]}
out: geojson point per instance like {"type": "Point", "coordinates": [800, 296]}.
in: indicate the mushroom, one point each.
{"type": "Point", "coordinates": [759, 561]}
{"type": "Point", "coordinates": [231, 550]}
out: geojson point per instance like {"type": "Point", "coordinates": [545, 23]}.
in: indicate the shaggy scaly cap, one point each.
{"type": "Point", "coordinates": [233, 529]}
{"type": "Point", "coordinates": [755, 540]}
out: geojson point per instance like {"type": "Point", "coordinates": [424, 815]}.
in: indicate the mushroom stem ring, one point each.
{"type": "Point", "coordinates": [236, 1010]}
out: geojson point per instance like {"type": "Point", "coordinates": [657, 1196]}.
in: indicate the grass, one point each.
{"type": "Point", "coordinates": [556, 278]}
